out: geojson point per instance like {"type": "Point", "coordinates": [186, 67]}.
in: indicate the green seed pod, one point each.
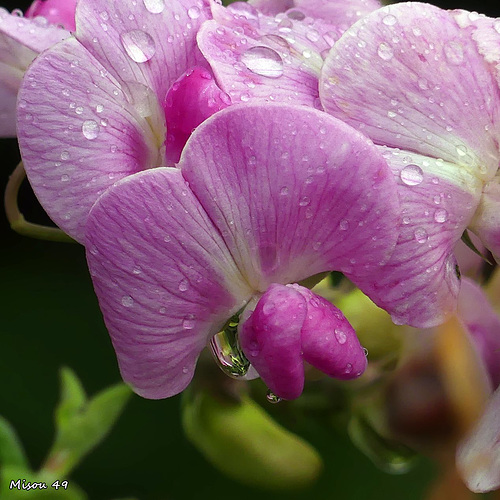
{"type": "Point", "coordinates": [245, 443]}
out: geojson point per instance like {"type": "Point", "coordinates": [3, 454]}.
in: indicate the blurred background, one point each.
{"type": "Point", "coordinates": [49, 318]}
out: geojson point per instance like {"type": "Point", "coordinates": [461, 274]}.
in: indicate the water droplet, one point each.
{"type": "Point", "coordinates": [154, 6]}
{"type": "Point", "coordinates": [304, 201]}
{"type": "Point", "coordinates": [79, 110]}
{"type": "Point", "coordinates": [127, 301]}
{"type": "Point", "coordinates": [263, 61]}
{"type": "Point", "coordinates": [90, 129]}
{"type": "Point", "coordinates": [99, 108]}
{"type": "Point", "coordinates": [348, 368]}
{"type": "Point", "coordinates": [344, 225]}
{"type": "Point", "coordinates": [284, 191]}
{"type": "Point", "coordinates": [296, 15]}
{"type": "Point", "coordinates": [138, 45]}
{"type": "Point", "coordinates": [421, 235]}
{"type": "Point", "coordinates": [194, 12]}
{"type": "Point", "coordinates": [272, 398]}
{"type": "Point", "coordinates": [313, 35]}
{"type": "Point", "coordinates": [185, 369]}
{"type": "Point", "coordinates": [412, 175]}
{"type": "Point", "coordinates": [454, 52]}
{"type": "Point", "coordinates": [340, 336]}
{"type": "Point", "coordinates": [461, 150]}
{"type": "Point", "coordinates": [136, 270]}
{"type": "Point", "coordinates": [385, 51]}
{"type": "Point", "coordinates": [64, 178]}
{"type": "Point", "coordinates": [188, 322]}
{"type": "Point", "coordinates": [227, 352]}
{"type": "Point", "coordinates": [64, 155]}
{"type": "Point", "coordinates": [183, 285]}
{"type": "Point", "coordinates": [365, 352]}
{"type": "Point", "coordinates": [440, 215]}
{"type": "Point", "coordinates": [389, 20]}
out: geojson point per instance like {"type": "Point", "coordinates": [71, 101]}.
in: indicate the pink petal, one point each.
{"type": "Point", "coordinates": [329, 342]}
{"type": "Point", "coordinates": [57, 12]}
{"type": "Point", "coordinates": [272, 7]}
{"type": "Point", "coordinates": [392, 77]}
{"type": "Point", "coordinates": [151, 42]}
{"type": "Point", "coordinates": [264, 58]}
{"type": "Point", "coordinates": [271, 340]}
{"type": "Point", "coordinates": [20, 42]}
{"type": "Point", "coordinates": [79, 133]}
{"type": "Point", "coordinates": [486, 222]}
{"type": "Point", "coordinates": [293, 192]}
{"type": "Point", "coordinates": [478, 456]}
{"type": "Point", "coordinates": [191, 100]}
{"type": "Point", "coordinates": [483, 324]}
{"type": "Point", "coordinates": [164, 278]}
{"type": "Point", "coordinates": [420, 283]}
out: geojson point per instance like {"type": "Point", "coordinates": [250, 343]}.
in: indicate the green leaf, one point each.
{"type": "Point", "coordinates": [11, 450]}
{"type": "Point", "coordinates": [80, 425]}
{"type": "Point", "coordinates": [73, 398]}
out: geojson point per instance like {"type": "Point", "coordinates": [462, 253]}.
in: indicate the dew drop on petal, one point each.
{"type": "Point", "coordinates": [412, 175]}
{"type": "Point", "coordinates": [194, 12]}
{"type": "Point", "coordinates": [454, 53]}
{"type": "Point", "coordinates": [389, 20]}
{"type": "Point", "coordinates": [263, 61]}
{"type": "Point", "coordinates": [340, 336]}
{"type": "Point", "coordinates": [344, 225]}
{"type": "Point", "coordinates": [64, 178]}
{"type": "Point", "coordinates": [127, 301]}
{"type": "Point", "coordinates": [183, 285]}
{"type": "Point", "coordinates": [154, 6]}
{"type": "Point", "coordinates": [461, 150]}
{"type": "Point", "coordinates": [138, 45]}
{"type": "Point", "coordinates": [421, 235]}
{"type": "Point", "coordinates": [385, 51]}
{"type": "Point", "coordinates": [304, 201]}
{"type": "Point", "coordinates": [348, 368]}
{"type": "Point", "coordinates": [188, 322]}
{"type": "Point", "coordinates": [440, 215]}
{"type": "Point", "coordinates": [90, 129]}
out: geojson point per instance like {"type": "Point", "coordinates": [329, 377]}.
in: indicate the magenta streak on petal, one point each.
{"type": "Point", "coordinates": [58, 12]}
{"type": "Point", "coordinates": [290, 325]}
{"type": "Point", "coordinates": [191, 100]}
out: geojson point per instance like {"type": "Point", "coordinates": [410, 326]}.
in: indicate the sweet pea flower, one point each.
{"type": "Point", "coordinates": [423, 84]}
{"type": "Point", "coordinates": [21, 40]}
{"type": "Point", "coordinates": [265, 196]}
{"type": "Point", "coordinates": [95, 108]}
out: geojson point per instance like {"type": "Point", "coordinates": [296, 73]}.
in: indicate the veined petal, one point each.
{"type": "Point", "coordinates": [79, 133]}
{"type": "Point", "coordinates": [151, 42]}
{"type": "Point", "coordinates": [57, 12]}
{"type": "Point", "coordinates": [420, 284]}
{"type": "Point", "coordinates": [486, 222]}
{"type": "Point", "coordinates": [483, 325]}
{"type": "Point", "coordinates": [403, 86]}
{"type": "Point", "coordinates": [293, 192]}
{"type": "Point", "coordinates": [266, 58]}
{"type": "Point", "coordinates": [478, 456]}
{"type": "Point", "coordinates": [165, 280]}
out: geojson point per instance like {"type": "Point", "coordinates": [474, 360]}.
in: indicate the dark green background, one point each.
{"type": "Point", "coordinates": [49, 317]}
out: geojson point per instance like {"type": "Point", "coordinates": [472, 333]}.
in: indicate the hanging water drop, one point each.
{"type": "Point", "coordinates": [154, 6]}
{"type": "Point", "coordinates": [272, 398]}
{"type": "Point", "coordinates": [385, 51]}
{"type": "Point", "coordinates": [227, 351]}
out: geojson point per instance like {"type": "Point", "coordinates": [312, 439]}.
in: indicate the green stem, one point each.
{"type": "Point", "coordinates": [16, 219]}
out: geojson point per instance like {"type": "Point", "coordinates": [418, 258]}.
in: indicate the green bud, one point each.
{"type": "Point", "coordinates": [245, 443]}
